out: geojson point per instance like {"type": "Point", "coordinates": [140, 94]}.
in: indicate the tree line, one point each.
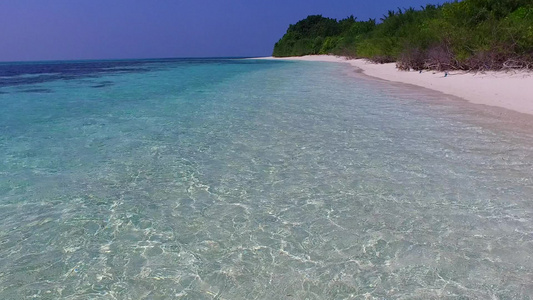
{"type": "Point", "coordinates": [460, 35]}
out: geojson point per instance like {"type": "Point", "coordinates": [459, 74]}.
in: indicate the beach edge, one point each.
{"type": "Point", "coordinates": [511, 90]}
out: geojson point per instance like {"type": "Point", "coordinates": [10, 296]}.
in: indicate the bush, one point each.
{"type": "Point", "coordinates": [468, 35]}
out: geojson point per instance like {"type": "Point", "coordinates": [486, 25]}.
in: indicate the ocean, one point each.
{"type": "Point", "coordinates": [256, 179]}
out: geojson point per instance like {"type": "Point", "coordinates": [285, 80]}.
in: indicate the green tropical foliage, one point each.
{"type": "Point", "coordinates": [468, 34]}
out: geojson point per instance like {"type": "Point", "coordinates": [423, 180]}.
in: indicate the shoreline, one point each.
{"type": "Point", "coordinates": [512, 90]}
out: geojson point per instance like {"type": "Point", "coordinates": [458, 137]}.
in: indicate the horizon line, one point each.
{"type": "Point", "coordinates": [122, 59]}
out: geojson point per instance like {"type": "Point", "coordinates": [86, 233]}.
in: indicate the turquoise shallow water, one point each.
{"type": "Point", "coordinates": [244, 179]}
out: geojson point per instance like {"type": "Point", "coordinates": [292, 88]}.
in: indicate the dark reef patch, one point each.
{"type": "Point", "coordinates": [103, 84]}
{"type": "Point", "coordinates": [38, 91]}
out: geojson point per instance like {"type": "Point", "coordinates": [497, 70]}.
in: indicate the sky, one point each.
{"type": "Point", "coordinates": [116, 29]}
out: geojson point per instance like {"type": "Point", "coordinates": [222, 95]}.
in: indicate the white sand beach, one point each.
{"type": "Point", "coordinates": [511, 90]}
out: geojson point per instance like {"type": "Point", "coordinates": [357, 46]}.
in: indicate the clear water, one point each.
{"type": "Point", "coordinates": [243, 179]}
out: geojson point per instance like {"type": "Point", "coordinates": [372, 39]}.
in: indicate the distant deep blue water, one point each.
{"type": "Point", "coordinates": [254, 179]}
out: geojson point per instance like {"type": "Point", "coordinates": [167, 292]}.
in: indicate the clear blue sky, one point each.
{"type": "Point", "coordinates": [94, 29]}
